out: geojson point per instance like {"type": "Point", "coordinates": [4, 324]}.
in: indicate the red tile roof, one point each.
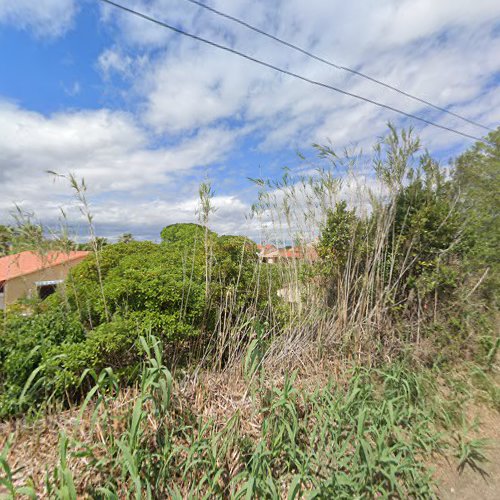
{"type": "Point", "coordinates": [20, 264]}
{"type": "Point", "coordinates": [290, 253]}
{"type": "Point", "coordinates": [266, 248]}
{"type": "Point", "coordinates": [308, 253]}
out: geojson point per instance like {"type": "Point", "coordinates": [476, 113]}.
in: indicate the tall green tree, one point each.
{"type": "Point", "coordinates": [477, 176]}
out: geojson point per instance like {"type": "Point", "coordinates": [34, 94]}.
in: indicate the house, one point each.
{"type": "Point", "coordinates": [272, 254]}
{"type": "Point", "coordinates": [29, 274]}
{"type": "Point", "coordinates": [264, 251]}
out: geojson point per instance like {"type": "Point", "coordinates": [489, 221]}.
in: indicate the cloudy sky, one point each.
{"type": "Point", "coordinates": [145, 115]}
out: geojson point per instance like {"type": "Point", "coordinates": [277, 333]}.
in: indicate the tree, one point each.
{"type": "Point", "coordinates": [337, 236]}
{"type": "Point", "coordinates": [29, 236]}
{"type": "Point", "coordinates": [477, 177]}
{"type": "Point", "coordinates": [428, 231]}
{"type": "Point", "coordinates": [125, 238]}
{"type": "Point", "coordinates": [184, 234]}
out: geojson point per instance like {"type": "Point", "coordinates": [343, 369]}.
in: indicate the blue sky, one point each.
{"type": "Point", "coordinates": [145, 116]}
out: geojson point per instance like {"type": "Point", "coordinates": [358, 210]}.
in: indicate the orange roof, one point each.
{"type": "Point", "coordinates": [290, 253]}
{"type": "Point", "coordinates": [309, 253]}
{"type": "Point", "coordinates": [23, 263]}
{"type": "Point", "coordinates": [286, 253]}
{"type": "Point", "coordinates": [266, 248]}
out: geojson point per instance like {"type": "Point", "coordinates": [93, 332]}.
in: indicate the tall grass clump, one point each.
{"type": "Point", "coordinates": [383, 258]}
{"type": "Point", "coordinates": [363, 437]}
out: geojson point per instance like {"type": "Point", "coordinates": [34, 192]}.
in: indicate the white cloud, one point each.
{"type": "Point", "coordinates": [146, 218]}
{"type": "Point", "coordinates": [445, 53]}
{"type": "Point", "coordinates": [205, 103]}
{"type": "Point", "coordinates": [108, 149]}
{"type": "Point", "coordinates": [115, 61]}
{"type": "Point", "coordinates": [50, 18]}
{"type": "Point", "coordinates": [189, 90]}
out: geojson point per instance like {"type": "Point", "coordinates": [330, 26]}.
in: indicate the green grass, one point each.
{"type": "Point", "coordinates": [363, 438]}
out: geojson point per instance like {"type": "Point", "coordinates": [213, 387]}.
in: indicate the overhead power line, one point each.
{"type": "Point", "coordinates": [336, 66]}
{"type": "Point", "coordinates": [286, 72]}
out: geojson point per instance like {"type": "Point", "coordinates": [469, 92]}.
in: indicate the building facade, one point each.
{"type": "Point", "coordinates": [29, 275]}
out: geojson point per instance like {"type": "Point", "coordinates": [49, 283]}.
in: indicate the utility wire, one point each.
{"type": "Point", "coordinates": [286, 72]}
{"type": "Point", "coordinates": [333, 65]}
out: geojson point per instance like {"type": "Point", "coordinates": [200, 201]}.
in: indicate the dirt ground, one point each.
{"type": "Point", "coordinates": [471, 484]}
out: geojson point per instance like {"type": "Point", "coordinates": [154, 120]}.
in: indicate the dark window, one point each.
{"type": "Point", "coordinates": [1, 287]}
{"type": "Point", "coordinates": [45, 290]}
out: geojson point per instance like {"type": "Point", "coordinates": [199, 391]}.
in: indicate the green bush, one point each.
{"type": "Point", "coordinates": [127, 290]}
{"type": "Point", "coordinates": [429, 231]}
{"type": "Point", "coordinates": [337, 236]}
{"type": "Point", "coordinates": [111, 345]}
{"type": "Point", "coordinates": [27, 341]}
{"type": "Point", "coordinates": [477, 182]}
{"type": "Point", "coordinates": [184, 234]}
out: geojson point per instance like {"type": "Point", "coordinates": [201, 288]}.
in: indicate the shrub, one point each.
{"type": "Point", "coordinates": [27, 342]}
{"type": "Point", "coordinates": [145, 288]}
{"type": "Point", "coordinates": [186, 235]}
{"type": "Point", "coordinates": [111, 345]}
{"type": "Point", "coordinates": [477, 182]}
{"type": "Point", "coordinates": [428, 232]}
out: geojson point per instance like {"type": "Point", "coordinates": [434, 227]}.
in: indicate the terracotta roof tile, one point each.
{"type": "Point", "coordinates": [20, 264]}
{"type": "Point", "coordinates": [265, 249]}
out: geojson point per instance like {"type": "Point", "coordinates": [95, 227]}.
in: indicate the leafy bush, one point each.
{"type": "Point", "coordinates": [337, 237]}
{"type": "Point", "coordinates": [429, 230]}
{"type": "Point", "coordinates": [477, 182]}
{"type": "Point", "coordinates": [184, 234]}
{"type": "Point", "coordinates": [27, 342]}
{"type": "Point", "coordinates": [110, 299]}
{"type": "Point", "coordinates": [111, 345]}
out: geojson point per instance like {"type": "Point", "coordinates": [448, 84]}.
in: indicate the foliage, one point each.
{"type": "Point", "coordinates": [126, 238]}
{"type": "Point", "coordinates": [363, 439]}
{"type": "Point", "coordinates": [184, 234]}
{"type": "Point", "coordinates": [131, 289]}
{"type": "Point", "coordinates": [396, 280]}
{"type": "Point", "coordinates": [409, 250]}
{"type": "Point", "coordinates": [234, 267]}
{"type": "Point", "coordinates": [5, 239]}
{"type": "Point", "coordinates": [429, 230]}
{"type": "Point", "coordinates": [27, 341]}
{"type": "Point", "coordinates": [338, 236]}
{"type": "Point", "coordinates": [138, 277]}
{"type": "Point", "coordinates": [477, 181]}
{"type": "Point", "coordinates": [24, 235]}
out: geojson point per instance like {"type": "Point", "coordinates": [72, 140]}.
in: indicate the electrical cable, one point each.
{"type": "Point", "coordinates": [286, 72]}
{"type": "Point", "coordinates": [332, 64]}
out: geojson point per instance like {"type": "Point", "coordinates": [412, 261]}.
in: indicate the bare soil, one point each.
{"type": "Point", "coordinates": [471, 484]}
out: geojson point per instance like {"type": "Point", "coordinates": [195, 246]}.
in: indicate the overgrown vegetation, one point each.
{"type": "Point", "coordinates": [96, 320]}
{"type": "Point", "coordinates": [397, 283]}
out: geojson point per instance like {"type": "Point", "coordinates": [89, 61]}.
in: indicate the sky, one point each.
{"type": "Point", "coordinates": [144, 115]}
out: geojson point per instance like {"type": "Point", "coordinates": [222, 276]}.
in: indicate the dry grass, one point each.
{"type": "Point", "coordinates": [213, 397]}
